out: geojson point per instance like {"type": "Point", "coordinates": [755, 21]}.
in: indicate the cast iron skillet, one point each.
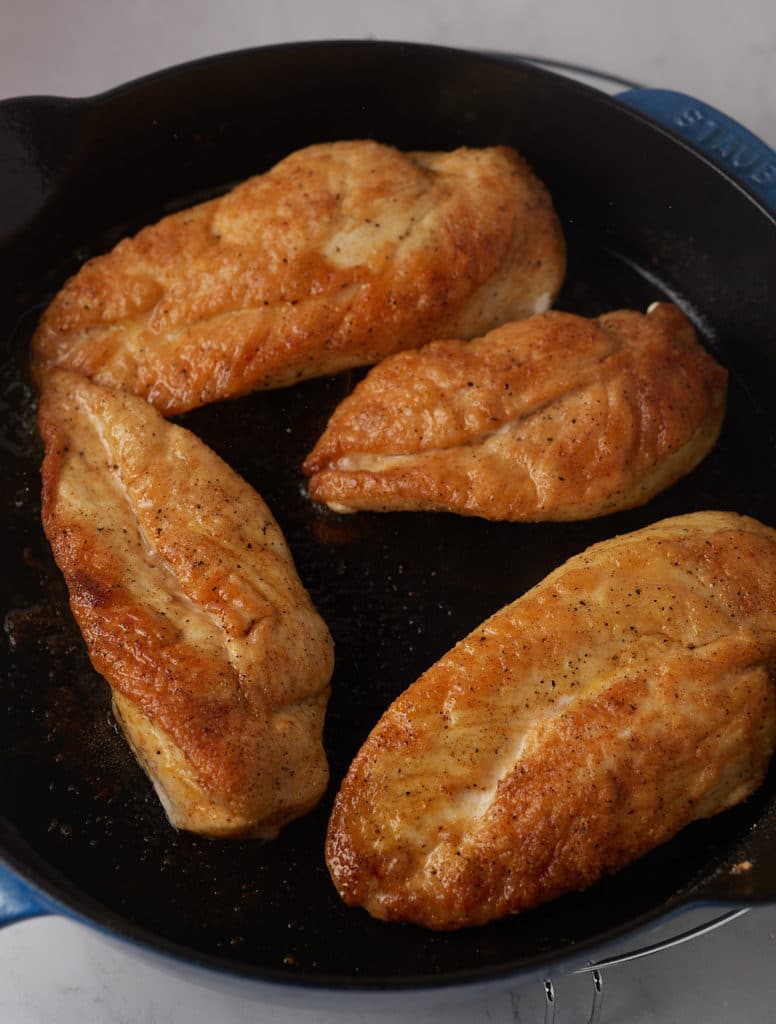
{"type": "Point", "coordinates": [646, 217]}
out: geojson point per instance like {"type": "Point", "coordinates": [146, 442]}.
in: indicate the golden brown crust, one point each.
{"type": "Point", "coordinates": [627, 695]}
{"type": "Point", "coordinates": [552, 418]}
{"type": "Point", "coordinates": [191, 608]}
{"type": "Point", "coordinates": [338, 256]}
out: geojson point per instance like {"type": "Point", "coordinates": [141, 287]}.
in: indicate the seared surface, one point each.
{"type": "Point", "coordinates": [190, 605]}
{"type": "Point", "coordinates": [628, 694]}
{"type": "Point", "coordinates": [338, 256]}
{"type": "Point", "coordinates": [551, 418]}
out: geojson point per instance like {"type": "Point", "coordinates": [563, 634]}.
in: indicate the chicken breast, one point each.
{"type": "Point", "coordinates": [341, 254]}
{"type": "Point", "coordinates": [552, 418]}
{"type": "Point", "coordinates": [628, 694]}
{"type": "Point", "coordinates": [191, 608]}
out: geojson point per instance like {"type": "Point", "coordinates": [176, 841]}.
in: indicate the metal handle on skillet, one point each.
{"type": "Point", "coordinates": [741, 153]}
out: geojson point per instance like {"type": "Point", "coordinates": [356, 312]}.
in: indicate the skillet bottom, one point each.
{"type": "Point", "coordinates": [397, 591]}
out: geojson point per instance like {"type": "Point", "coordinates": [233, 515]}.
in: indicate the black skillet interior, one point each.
{"type": "Point", "coordinates": [644, 219]}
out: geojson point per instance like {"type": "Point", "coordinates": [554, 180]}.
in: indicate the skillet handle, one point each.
{"type": "Point", "coordinates": [37, 143]}
{"type": "Point", "coordinates": [742, 154]}
{"type": "Point", "coordinates": [18, 902]}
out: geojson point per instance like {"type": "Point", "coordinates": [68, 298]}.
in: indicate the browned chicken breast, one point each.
{"type": "Point", "coordinates": [338, 256]}
{"type": "Point", "coordinates": [191, 608]}
{"type": "Point", "coordinates": [552, 418]}
{"type": "Point", "coordinates": [628, 694]}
